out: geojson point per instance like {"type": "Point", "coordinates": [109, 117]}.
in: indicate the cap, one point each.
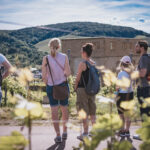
{"type": "Point", "coordinates": [126, 60]}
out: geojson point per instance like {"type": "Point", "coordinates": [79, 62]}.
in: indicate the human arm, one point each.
{"type": "Point", "coordinates": [67, 70]}
{"type": "Point", "coordinates": [7, 66]}
{"type": "Point", "coordinates": [143, 67]}
{"type": "Point", "coordinates": [81, 68]}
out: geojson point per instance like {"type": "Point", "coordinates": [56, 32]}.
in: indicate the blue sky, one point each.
{"type": "Point", "coordinates": [15, 14]}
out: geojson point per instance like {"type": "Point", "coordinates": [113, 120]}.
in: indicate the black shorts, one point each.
{"type": "Point", "coordinates": [122, 97]}
{"type": "Point", "coordinates": [142, 93]}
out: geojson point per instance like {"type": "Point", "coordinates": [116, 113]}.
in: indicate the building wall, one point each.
{"type": "Point", "coordinates": [107, 51]}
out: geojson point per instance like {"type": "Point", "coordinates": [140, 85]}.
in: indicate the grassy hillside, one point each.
{"type": "Point", "coordinates": [88, 29]}
{"type": "Point", "coordinates": [19, 52]}
{"type": "Point", "coordinates": [27, 46]}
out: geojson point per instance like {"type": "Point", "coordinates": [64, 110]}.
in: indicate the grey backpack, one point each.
{"type": "Point", "coordinates": [93, 85]}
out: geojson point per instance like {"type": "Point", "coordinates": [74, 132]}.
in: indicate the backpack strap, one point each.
{"type": "Point", "coordinates": [88, 64]}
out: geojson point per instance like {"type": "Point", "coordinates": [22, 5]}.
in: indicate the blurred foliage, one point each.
{"type": "Point", "coordinates": [107, 90]}
{"type": "Point", "coordinates": [117, 145]}
{"type": "Point", "coordinates": [13, 86]}
{"type": "Point", "coordinates": [16, 141]}
{"type": "Point", "coordinates": [144, 133]}
{"type": "Point", "coordinates": [24, 109]}
{"type": "Point", "coordinates": [106, 126]}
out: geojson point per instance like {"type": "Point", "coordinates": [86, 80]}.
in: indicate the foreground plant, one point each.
{"type": "Point", "coordinates": [105, 129]}
{"type": "Point", "coordinates": [26, 109]}
{"type": "Point", "coordinates": [144, 133]}
{"type": "Point", "coordinates": [16, 141]}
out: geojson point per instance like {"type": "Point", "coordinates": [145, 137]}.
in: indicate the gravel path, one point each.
{"type": "Point", "coordinates": [42, 138]}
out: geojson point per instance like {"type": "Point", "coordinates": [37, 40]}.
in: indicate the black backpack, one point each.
{"type": "Point", "coordinates": [93, 85]}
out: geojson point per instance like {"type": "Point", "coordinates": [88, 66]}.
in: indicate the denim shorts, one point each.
{"type": "Point", "coordinates": [53, 102]}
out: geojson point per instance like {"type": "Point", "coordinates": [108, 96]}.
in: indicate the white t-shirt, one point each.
{"type": "Point", "coordinates": [2, 59]}
{"type": "Point", "coordinates": [122, 74]}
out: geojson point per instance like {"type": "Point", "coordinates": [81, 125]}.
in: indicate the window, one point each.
{"type": "Point", "coordinates": [124, 46]}
{"type": "Point", "coordinates": [111, 45]}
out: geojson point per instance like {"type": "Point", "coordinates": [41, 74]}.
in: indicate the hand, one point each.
{"type": "Point", "coordinates": [45, 81]}
{"type": "Point", "coordinates": [75, 89]}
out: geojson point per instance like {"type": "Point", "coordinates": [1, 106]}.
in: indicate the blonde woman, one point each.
{"type": "Point", "coordinates": [60, 70]}
{"type": "Point", "coordinates": [126, 68]}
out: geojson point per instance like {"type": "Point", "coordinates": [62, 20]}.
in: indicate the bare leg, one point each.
{"type": "Point", "coordinates": [65, 117]}
{"type": "Point", "coordinates": [123, 121]}
{"type": "Point", "coordinates": [86, 125]}
{"type": "Point", "coordinates": [93, 119]}
{"type": "Point", "coordinates": [55, 118]}
{"type": "Point", "coordinates": [128, 123]}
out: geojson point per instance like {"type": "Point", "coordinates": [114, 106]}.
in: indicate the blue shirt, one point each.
{"type": "Point", "coordinates": [124, 74]}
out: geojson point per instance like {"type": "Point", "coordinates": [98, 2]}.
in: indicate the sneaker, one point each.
{"type": "Point", "coordinates": [81, 137]}
{"type": "Point", "coordinates": [137, 137]}
{"type": "Point", "coordinates": [121, 133]}
{"type": "Point", "coordinates": [127, 133]}
{"type": "Point", "coordinates": [64, 136]}
{"type": "Point", "coordinates": [90, 134]}
{"type": "Point", "coordinates": [57, 139]}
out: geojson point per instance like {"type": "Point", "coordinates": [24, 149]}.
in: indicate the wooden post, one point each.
{"type": "Point", "coordinates": [5, 98]}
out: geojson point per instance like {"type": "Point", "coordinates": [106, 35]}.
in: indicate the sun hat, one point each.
{"type": "Point", "coordinates": [126, 60]}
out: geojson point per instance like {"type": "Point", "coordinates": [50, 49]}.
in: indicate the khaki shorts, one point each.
{"type": "Point", "coordinates": [85, 102]}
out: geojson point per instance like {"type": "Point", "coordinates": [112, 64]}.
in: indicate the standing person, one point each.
{"type": "Point", "coordinates": [124, 94]}
{"type": "Point", "coordinates": [55, 70]}
{"type": "Point", "coordinates": [143, 90]}
{"type": "Point", "coordinates": [84, 101]}
{"type": "Point", "coordinates": [3, 63]}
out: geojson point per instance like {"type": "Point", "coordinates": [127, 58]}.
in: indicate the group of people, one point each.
{"type": "Point", "coordinates": [60, 71]}
{"type": "Point", "coordinates": [142, 83]}
{"type": "Point", "coordinates": [56, 70]}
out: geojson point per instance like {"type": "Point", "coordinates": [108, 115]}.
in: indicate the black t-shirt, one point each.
{"type": "Point", "coordinates": [144, 63]}
{"type": "Point", "coordinates": [85, 76]}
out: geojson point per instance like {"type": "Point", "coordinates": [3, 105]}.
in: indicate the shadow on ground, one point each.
{"type": "Point", "coordinates": [56, 146]}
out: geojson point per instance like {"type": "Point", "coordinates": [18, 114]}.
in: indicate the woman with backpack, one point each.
{"type": "Point", "coordinates": [85, 101]}
{"type": "Point", "coordinates": [124, 94]}
{"type": "Point", "coordinates": [55, 70]}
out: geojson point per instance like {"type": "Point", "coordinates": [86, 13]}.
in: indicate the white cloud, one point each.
{"type": "Point", "coordinates": [42, 12]}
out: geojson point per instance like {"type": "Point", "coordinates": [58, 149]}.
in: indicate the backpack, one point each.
{"type": "Point", "coordinates": [93, 85]}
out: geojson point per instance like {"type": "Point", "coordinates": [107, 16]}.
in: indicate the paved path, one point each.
{"type": "Point", "coordinates": [42, 138]}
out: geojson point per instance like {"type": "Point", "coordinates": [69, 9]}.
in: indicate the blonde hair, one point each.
{"type": "Point", "coordinates": [126, 67]}
{"type": "Point", "coordinates": [54, 45]}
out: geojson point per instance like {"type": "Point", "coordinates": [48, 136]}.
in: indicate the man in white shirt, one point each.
{"type": "Point", "coordinates": [3, 63]}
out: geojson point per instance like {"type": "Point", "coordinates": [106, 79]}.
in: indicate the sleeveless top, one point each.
{"type": "Point", "coordinates": [85, 76]}
{"type": "Point", "coordinates": [57, 72]}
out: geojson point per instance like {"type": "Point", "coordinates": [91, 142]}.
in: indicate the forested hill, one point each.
{"type": "Point", "coordinates": [20, 43]}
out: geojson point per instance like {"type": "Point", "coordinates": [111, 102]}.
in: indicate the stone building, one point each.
{"type": "Point", "coordinates": [107, 51]}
